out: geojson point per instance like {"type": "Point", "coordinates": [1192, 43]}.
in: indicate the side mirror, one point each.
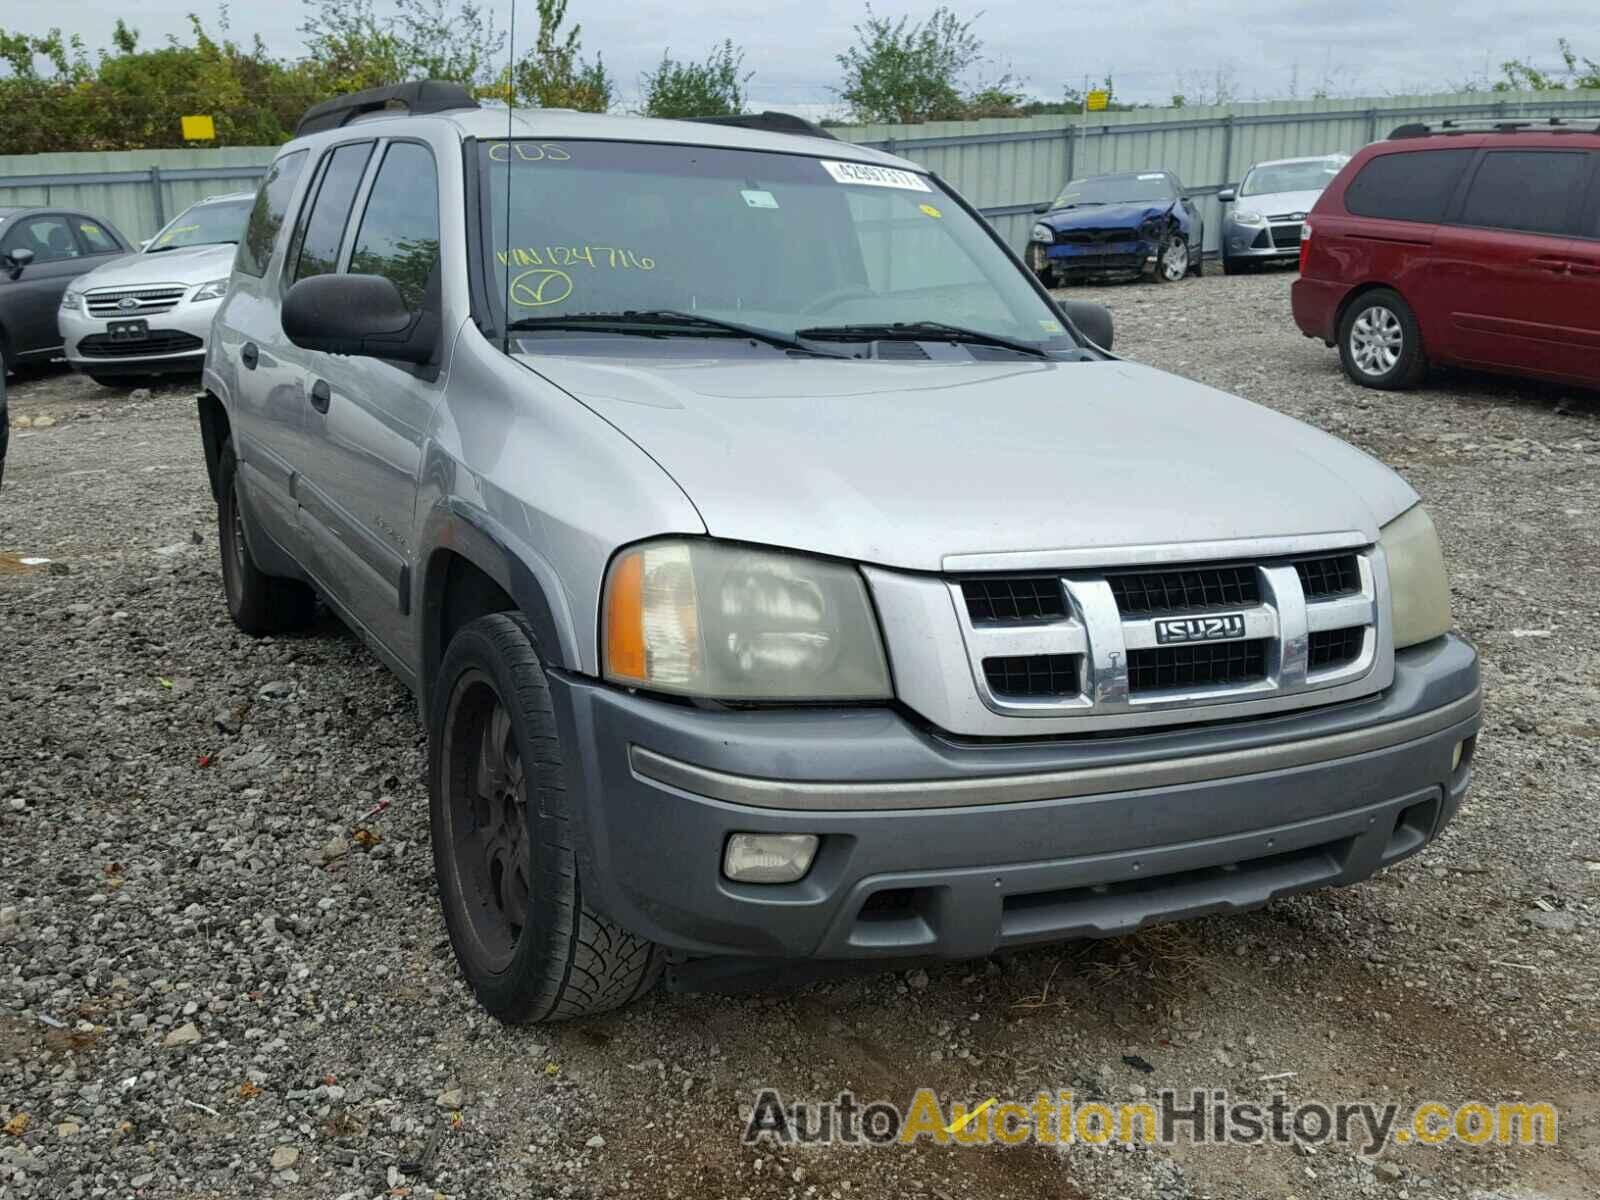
{"type": "Point", "coordinates": [20, 258]}
{"type": "Point", "coordinates": [358, 315]}
{"type": "Point", "coordinates": [1091, 320]}
{"type": "Point", "coordinates": [1227, 195]}
{"type": "Point", "coordinates": [1040, 208]}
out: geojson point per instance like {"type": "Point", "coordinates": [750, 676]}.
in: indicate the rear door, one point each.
{"type": "Point", "coordinates": [1501, 269]}
{"type": "Point", "coordinates": [264, 391]}
{"type": "Point", "coordinates": [30, 296]}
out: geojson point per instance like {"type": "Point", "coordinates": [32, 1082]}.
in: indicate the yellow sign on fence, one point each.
{"type": "Point", "coordinates": [202, 129]}
{"type": "Point", "coordinates": [1097, 101]}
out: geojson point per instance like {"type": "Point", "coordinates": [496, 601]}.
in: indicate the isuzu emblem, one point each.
{"type": "Point", "coordinates": [1200, 629]}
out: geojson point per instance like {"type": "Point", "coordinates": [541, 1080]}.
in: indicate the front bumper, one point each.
{"type": "Point", "coordinates": [177, 341]}
{"type": "Point", "coordinates": [1261, 243]}
{"type": "Point", "coordinates": [1130, 256]}
{"type": "Point", "coordinates": [933, 848]}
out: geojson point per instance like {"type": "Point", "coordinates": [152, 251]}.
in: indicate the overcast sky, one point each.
{"type": "Point", "coordinates": [1151, 47]}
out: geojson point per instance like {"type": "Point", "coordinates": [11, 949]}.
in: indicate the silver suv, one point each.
{"type": "Point", "coordinates": [781, 574]}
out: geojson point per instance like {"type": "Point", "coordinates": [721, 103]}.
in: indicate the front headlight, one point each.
{"type": "Point", "coordinates": [1042, 233]}
{"type": "Point", "coordinates": [1248, 216]}
{"type": "Point", "coordinates": [71, 301]}
{"type": "Point", "coordinates": [730, 622]}
{"type": "Point", "coordinates": [214, 290]}
{"type": "Point", "coordinates": [1418, 590]}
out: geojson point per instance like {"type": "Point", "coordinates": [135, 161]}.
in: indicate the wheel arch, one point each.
{"type": "Point", "coordinates": [215, 430]}
{"type": "Point", "coordinates": [470, 572]}
{"type": "Point", "coordinates": [1366, 288]}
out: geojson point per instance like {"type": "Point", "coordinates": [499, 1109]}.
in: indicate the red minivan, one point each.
{"type": "Point", "coordinates": [1472, 244]}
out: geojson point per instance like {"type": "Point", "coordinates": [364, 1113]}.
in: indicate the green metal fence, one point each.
{"type": "Point", "coordinates": [1004, 166]}
{"type": "Point", "coordinates": [1007, 166]}
{"type": "Point", "coordinates": [138, 191]}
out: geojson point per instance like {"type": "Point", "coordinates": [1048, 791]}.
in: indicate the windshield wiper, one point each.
{"type": "Point", "coordinates": [665, 322]}
{"type": "Point", "coordinates": [920, 331]}
{"type": "Point", "coordinates": [192, 245]}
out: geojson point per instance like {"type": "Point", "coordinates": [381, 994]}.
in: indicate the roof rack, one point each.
{"type": "Point", "coordinates": [1499, 125]}
{"type": "Point", "coordinates": [771, 122]}
{"type": "Point", "coordinates": [424, 96]}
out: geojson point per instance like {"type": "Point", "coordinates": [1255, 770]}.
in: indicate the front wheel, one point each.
{"type": "Point", "coordinates": [1380, 344]}
{"type": "Point", "coordinates": [504, 846]}
{"type": "Point", "coordinates": [1172, 259]}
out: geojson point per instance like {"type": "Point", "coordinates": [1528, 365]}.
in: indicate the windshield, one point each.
{"type": "Point", "coordinates": [782, 242]}
{"type": "Point", "coordinates": [209, 223]}
{"type": "Point", "coordinates": [1291, 177]}
{"type": "Point", "coordinates": [1134, 187]}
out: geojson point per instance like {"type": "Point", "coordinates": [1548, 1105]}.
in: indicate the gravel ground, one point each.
{"type": "Point", "coordinates": [223, 971]}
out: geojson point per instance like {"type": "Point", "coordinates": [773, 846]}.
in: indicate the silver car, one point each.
{"type": "Point", "coordinates": [1265, 215]}
{"type": "Point", "coordinates": [149, 313]}
{"type": "Point", "coordinates": [782, 574]}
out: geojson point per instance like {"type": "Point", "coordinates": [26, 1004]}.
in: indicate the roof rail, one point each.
{"type": "Point", "coordinates": [771, 122]}
{"type": "Point", "coordinates": [424, 96]}
{"type": "Point", "coordinates": [1499, 125]}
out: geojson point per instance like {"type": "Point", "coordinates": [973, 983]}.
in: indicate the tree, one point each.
{"type": "Point", "coordinates": [350, 47]}
{"type": "Point", "coordinates": [714, 88]}
{"type": "Point", "coordinates": [907, 73]}
{"type": "Point", "coordinates": [553, 74]}
{"type": "Point", "coordinates": [1575, 72]}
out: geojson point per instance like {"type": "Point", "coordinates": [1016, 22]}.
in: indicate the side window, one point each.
{"type": "Point", "coordinates": [1414, 185]}
{"type": "Point", "coordinates": [399, 233]}
{"type": "Point", "coordinates": [267, 213]}
{"type": "Point", "coordinates": [50, 239]}
{"type": "Point", "coordinates": [94, 237]}
{"type": "Point", "coordinates": [1528, 190]}
{"type": "Point", "coordinates": [329, 212]}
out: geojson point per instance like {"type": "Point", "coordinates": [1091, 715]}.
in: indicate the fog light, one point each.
{"type": "Point", "coordinates": [768, 857]}
{"type": "Point", "coordinates": [1455, 757]}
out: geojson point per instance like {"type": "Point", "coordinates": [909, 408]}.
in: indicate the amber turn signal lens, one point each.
{"type": "Point", "coordinates": [625, 656]}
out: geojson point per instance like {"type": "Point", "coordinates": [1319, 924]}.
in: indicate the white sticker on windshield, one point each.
{"type": "Point", "coordinates": [1152, 175]}
{"type": "Point", "coordinates": [871, 176]}
{"type": "Point", "coordinates": [757, 199]}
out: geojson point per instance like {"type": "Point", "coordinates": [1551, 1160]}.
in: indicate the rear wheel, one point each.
{"type": "Point", "coordinates": [504, 847]}
{"type": "Point", "coordinates": [259, 603]}
{"type": "Point", "coordinates": [1380, 344]}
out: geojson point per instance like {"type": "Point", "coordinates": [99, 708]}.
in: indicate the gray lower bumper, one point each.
{"type": "Point", "coordinates": [1016, 843]}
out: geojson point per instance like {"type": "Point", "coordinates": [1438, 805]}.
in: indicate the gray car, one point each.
{"type": "Point", "coordinates": [782, 575]}
{"type": "Point", "coordinates": [1265, 216]}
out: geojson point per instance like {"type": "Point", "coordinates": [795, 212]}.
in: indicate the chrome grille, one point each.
{"type": "Point", "coordinates": [147, 301]}
{"type": "Point", "coordinates": [1133, 640]}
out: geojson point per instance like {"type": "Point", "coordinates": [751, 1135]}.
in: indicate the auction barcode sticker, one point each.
{"type": "Point", "coordinates": [871, 176]}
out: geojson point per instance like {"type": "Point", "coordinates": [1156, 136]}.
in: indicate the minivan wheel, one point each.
{"type": "Point", "coordinates": [259, 603]}
{"type": "Point", "coordinates": [1380, 344]}
{"type": "Point", "coordinates": [504, 843]}
{"type": "Point", "coordinates": [1172, 260]}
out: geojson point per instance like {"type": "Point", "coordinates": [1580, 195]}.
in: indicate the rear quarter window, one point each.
{"type": "Point", "coordinates": [1531, 191]}
{"type": "Point", "coordinates": [1412, 185]}
{"type": "Point", "coordinates": [267, 214]}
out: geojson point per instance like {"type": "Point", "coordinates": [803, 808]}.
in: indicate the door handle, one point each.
{"type": "Point", "coordinates": [321, 396]}
{"type": "Point", "coordinates": [1557, 266]}
{"type": "Point", "coordinates": [1584, 268]}
{"type": "Point", "coordinates": [249, 354]}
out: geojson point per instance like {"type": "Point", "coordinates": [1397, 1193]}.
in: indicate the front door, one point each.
{"type": "Point", "coordinates": [367, 418]}
{"type": "Point", "coordinates": [1501, 264]}
{"type": "Point", "coordinates": [30, 296]}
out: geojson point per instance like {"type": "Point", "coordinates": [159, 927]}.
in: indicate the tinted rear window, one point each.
{"type": "Point", "coordinates": [1414, 185]}
{"type": "Point", "coordinates": [1528, 190]}
{"type": "Point", "coordinates": [266, 215]}
{"type": "Point", "coordinates": [330, 211]}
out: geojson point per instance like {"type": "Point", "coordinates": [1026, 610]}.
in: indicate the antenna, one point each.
{"type": "Point", "coordinates": [511, 108]}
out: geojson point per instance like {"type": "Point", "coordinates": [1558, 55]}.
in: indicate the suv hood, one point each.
{"type": "Point", "coordinates": [1106, 216]}
{"type": "Point", "coordinates": [190, 265]}
{"type": "Point", "coordinates": [902, 464]}
{"type": "Point", "coordinates": [1277, 204]}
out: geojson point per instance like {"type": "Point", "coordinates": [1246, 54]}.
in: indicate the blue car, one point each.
{"type": "Point", "coordinates": [1132, 225]}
